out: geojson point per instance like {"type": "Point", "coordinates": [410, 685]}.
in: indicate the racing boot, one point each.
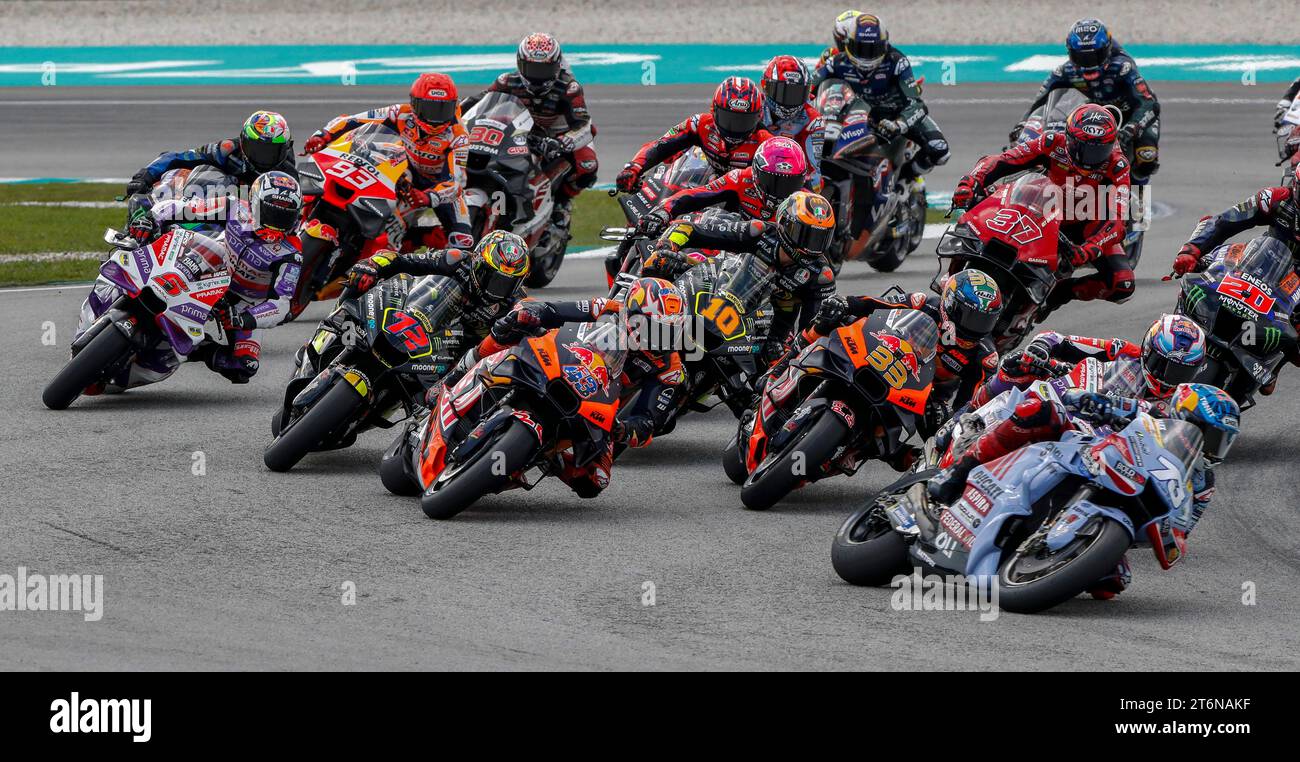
{"type": "Point", "coordinates": [1114, 583]}
{"type": "Point", "coordinates": [948, 486]}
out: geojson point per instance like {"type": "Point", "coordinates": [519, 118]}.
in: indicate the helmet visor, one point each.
{"type": "Point", "coordinates": [1087, 154]}
{"type": "Point", "coordinates": [736, 125]}
{"type": "Point", "coordinates": [539, 72]}
{"type": "Point", "coordinates": [973, 323]}
{"type": "Point", "coordinates": [866, 53]}
{"type": "Point", "coordinates": [263, 155]}
{"type": "Point", "coordinates": [497, 285]}
{"type": "Point", "coordinates": [1167, 371]}
{"type": "Point", "coordinates": [806, 239]}
{"type": "Point", "coordinates": [1217, 443]}
{"type": "Point", "coordinates": [433, 111]}
{"type": "Point", "coordinates": [276, 214]}
{"type": "Point", "coordinates": [1088, 59]}
{"type": "Point", "coordinates": [786, 94]}
{"type": "Point", "coordinates": [777, 186]}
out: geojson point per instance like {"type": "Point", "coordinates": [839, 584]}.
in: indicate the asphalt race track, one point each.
{"type": "Point", "coordinates": [242, 569]}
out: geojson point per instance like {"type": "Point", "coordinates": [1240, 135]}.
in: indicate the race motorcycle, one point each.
{"type": "Point", "coordinates": [689, 170]}
{"type": "Point", "coordinates": [855, 395]}
{"type": "Point", "coordinates": [1010, 236]}
{"type": "Point", "coordinates": [170, 291]}
{"type": "Point", "coordinates": [512, 175]}
{"type": "Point", "coordinates": [505, 423]}
{"type": "Point", "coordinates": [1050, 117]}
{"type": "Point", "coordinates": [371, 359]}
{"type": "Point", "coordinates": [1244, 301]}
{"type": "Point", "coordinates": [860, 170]}
{"type": "Point", "coordinates": [1288, 143]}
{"type": "Point", "coordinates": [350, 198]}
{"type": "Point", "coordinates": [1046, 521]}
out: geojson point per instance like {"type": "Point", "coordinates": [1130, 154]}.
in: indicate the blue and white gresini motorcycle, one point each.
{"type": "Point", "coordinates": [1046, 521]}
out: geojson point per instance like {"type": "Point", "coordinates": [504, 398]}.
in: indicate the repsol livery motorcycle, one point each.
{"type": "Point", "coordinates": [372, 358]}
{"type": "Point", "coordinates": [508, 420]}
{"type": "Point", "coordinates": [512, 177]}
{"type": "Point", "coordinates": [849, 397]}
{"type": "Point", "coordinates": [350, 197]}
{"type": "Point", "coordinates": [862, 174]}
{"type": "Point", "coordinates": [1244, 301]}
{"type": "Point", "coordinates": [1047, 521]}
{"type": "Point", "coordinates": [1010, 236]}
{"type": "Point", "coordinates": [169, 291]}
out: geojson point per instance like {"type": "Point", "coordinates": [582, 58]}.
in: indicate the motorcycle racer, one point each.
{"type": "Point", "coordinates": [263, 145]}
{"type": "Point", "coordinates": [437, 148]}
{"type": "Point", "coordinates": [1277, 207]}
{"type": "Point", "coordinates": [1100, 69]}
{"type": "Point", "coordinates": [787, 112]}
{"type": "Point", "coordinates": [1085, 162]}
{"type": "Point", "coordinates": [545, 84]}
{"type": "Point", "coordinates": [793, 245]}
{"type": "Point", "coordinates": [839, 35]}
{"type": "Point", "coordinates": [882, 76]}
{"type": "Point", "coordinates": [728, 133]}
{"type": "Point", "coordinates": [259, 248]}
{"type": "Point", "coordinates": [778, 169]}
{"type": "Point", "coordinates": [492, 273]}
{"type": "Point", "coordinates": [1285, 104]}
{"type": "Point", "coordinates": [654, 310]}
{"type": "Point", "coordinates": [965, 312]}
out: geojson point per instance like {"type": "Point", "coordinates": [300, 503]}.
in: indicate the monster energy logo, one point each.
{"type": "Point", "coordinates": [1272, 338]}
{"type": "Point", "coordinates": [1195, 295]}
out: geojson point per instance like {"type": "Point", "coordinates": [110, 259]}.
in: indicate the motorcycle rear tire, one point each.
{"type": "Point", "coordinates": [733, 462]}
{"type": "Point", "coordinates": [1101, 556]}
{"type": "Point", "coordinates": [476, 478]}
{"type": "Point", "coordinates": [330, 414]}
{"type": "Point", "coordinates": [86, 367]}
{"type": "Point", "coordinates": [766, 486]}
{"type": "Point", "coordinates": [874, 558]}
{"type": "Point", "coordinates": [392, 469]}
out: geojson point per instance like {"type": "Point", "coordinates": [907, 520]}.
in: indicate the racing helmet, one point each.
{"type": "Point", "coordinates": [539, 60]}
{"type": "Point", "coordinates": [805, 224]}
{"type": "Point", "coordinates": [867, 43]}
{"type": "Point", "coordinates": [1090, 133]}
{"type": "Point", "coordinates": [499, 265]}
{"type": "Point", "coordinates": [785, 86]}
{"type": "Point", "coordinates": [1089, 45]}
{"type": "Point", "coordinates": [1214, 412]}
{"type": "Point", "coordinates": [780, 167]}
{"type": "Point", "coordinates": [275, 203]}
{"type": "Point", "coordinates": [971, 303]}
{"type": "Point", "coordinates": [737, 108]}
{"type": "Point", "coordinates": [433, 101]}
{"type": "Point", "coordinates": [265, 140]}
{"type": "Point", "coordinates": [655, 311]}
{"type": "Point", "coordinates": [1173, 352]}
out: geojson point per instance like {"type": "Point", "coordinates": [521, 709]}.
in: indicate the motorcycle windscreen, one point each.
{"type": "Point", "coordinates": [499, 126]}
{"type": "Point", "coordinates": [1183, 440]}
{"type": "Point", "coordinates": [690, 170]}
{"type": "Point", "coordinates": [740, 283]}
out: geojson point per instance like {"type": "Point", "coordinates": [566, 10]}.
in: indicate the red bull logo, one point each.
{"type": "Point", "coordinates": [590, 373]}
{"type": "Point", "coordinates": [901, 349]}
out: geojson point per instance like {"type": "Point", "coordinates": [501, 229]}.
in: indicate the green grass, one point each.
{"type": "Point", "coordinates": [39, 229]}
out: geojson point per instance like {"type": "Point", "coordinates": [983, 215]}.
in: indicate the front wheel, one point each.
{"type": "Point", "coordinates": [86, 367]}
{"type": "Point", "coordinates": [733, 462]}
{"type": "Point", "coordinates": [1033, 578]}
{"type": "Point", "coordinates": [331, 413]}
{"type": "Point", "coordinates": [392, 468]}
{"type": "Point", "coordinates": [546, 265]}
{"type": "Point", "coordinates": [781, 473]}
{"type": "Point", "coordinates": [488, 471]}
{"type": "Point", "coordinates": [867, 550]}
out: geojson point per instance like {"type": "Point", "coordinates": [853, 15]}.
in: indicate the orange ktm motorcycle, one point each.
{"type": "Point", "coordinates": [512, 419]}
{"type": "Point", "coordinates": [855, 395]}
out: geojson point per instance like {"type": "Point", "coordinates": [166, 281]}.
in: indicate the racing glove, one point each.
{"type": "Point", "coordinates": [566, 143]}
{"type": "Point", "coordinates": [365, 274]}
{"type": "Point", "coordinates": [654, 222]}
{"type": "Point", "coordinates": [664, 262]}
{"type": "Point", "coordinates": [1082, 255]}
{"type": "Point", "coordinates": [1014, 135]}
{"type": "Point", "coordinates": [514, 325]}
{"type": "Point", "coordinates": [1098, 406]}
{"type": "Point", "coordinates": [142, 225]}
{"type": "Point", "coordinates": [317, 141]}
{"type": "Point", "coordinates": [1128, 133]}
{"type": "Point", "coordinates": [416, 198]}
{"type": "Point", "coordinates": [140, 182]}
{"type": "Point", "coordinates": [628, 177]}
{"type": "Point", "coordinates": [830, 314]}
{"type": "Point", "coordinates": [888, 129]}
{"type": "Point", "coordinates": [635, 432]}
{"type": "Point", "coordinates": [232, 321]}
{"type": "Point", "coordinates": [964, 194]}
{"type": "Point", "coordinates": [1188, 258]}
